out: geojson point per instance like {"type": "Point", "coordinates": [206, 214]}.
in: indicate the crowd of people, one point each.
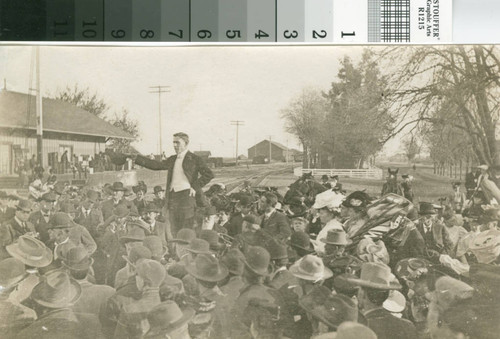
{"type": "Point", "coordinates": [183, 262]}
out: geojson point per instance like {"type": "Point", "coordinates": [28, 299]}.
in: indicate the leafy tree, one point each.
{"type": "Point", "coordinates": [83, 98]}
{"type": "Point", "coordinates": [131, 126]}
{"type": "Point", "coordinates": [453, 89]}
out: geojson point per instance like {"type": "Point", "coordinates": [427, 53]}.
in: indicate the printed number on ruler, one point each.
{"type": "Point", "coordinates": [60, 28]}
{"type": "Point", "coordinates": [204, 34]}
{"type": "Point", "coordinates": [118, 33]}
{"type": "Point", "coordinates": [233, 33]}
{"type": "Point", "coordinates": [261, 34]}
{"type": "Point", "coordinates": [319, 35]}
{"type": "Point", "coordinates": [146, 34]}
{"type": "Point", "coordinates": [179, 34]}
{"type": "Point", "coordinates": [89, 29]}
{"type": "Point", "coordinates": [290, 34]}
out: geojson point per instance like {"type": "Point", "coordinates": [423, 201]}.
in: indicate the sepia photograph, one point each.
{"type": "Point", "coordinates": [250, 191]}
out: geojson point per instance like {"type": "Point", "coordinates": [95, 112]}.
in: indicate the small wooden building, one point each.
{"type": "Point", "coordinates": [66, 128]}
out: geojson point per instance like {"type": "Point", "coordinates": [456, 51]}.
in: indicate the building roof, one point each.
{"type": "Point", "coordinates": [58, 116]}
{"type": "Point", "coordinates": [277, 144]}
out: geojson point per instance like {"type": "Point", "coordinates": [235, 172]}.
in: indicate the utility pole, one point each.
{"type": "Point", "coordinates": [237, 123]}
{"type": "Point", "coordinates": [160, 90]}
{"type": "Point", "coordinates": [39, 111]}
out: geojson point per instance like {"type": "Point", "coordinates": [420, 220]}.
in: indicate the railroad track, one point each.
{"type": "Point", "coordinates": [255, 179]}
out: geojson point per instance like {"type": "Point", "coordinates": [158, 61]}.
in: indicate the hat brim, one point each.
{"type": "Point", "coordinates": [347, 242]}
{"type": "Point", "coordinates": [223, 272]}
{"type": "Point", "coordinates": [76, 290]}
{"type": "Point", "coordinates": [15, 252]}
{"type": "Point", "coordinates": [124, 239]}
{"type": "Point", "coordinates": [80, 266]}
{"type": "Point", "coordinates": [198, 251]}
{"type": "Point", "coordinates": [261, 272]}
{"type": "Point", "coordinates": [327, 274]}
{"type": "Point", "coordinates": [309, 249]}
{"type": "Point", "coordinates": [187, 315]}
{"type": "Point", "coordinates": [179, 241]}
{"type": "Point", "coordinates": [370, 284]}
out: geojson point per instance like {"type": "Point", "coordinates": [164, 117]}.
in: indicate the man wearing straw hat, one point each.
{"type": "Point", "coordinates": [376, 281]}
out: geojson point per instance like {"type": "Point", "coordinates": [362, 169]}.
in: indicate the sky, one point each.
{"type": "Point", "coordinates": [209, 87]}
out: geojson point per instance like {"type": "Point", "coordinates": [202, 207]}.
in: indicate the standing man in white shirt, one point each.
{"type": "Point", "coordinates": [187, 174]}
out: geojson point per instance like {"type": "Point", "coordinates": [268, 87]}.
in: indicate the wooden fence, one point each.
{"type": "Point", "coordinates": [372, 173]}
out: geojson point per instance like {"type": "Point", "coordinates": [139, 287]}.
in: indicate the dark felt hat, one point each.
{"type": "Point", "coordinates": [184, 236]}
{"type": "Point", "coordinates": [212, 238]}
{"type": "Point", "coordinates": [117, 186]}
{"type": "Point", "coordinates": [49, 196]}
{"type": "Point", "coordinates": [121, 211]}
{"type": "Point", "coordinates": [24, 205]}
{"type": "Point", "coordinates": [257, 260]}
{"type": "Point", "coordinates": [157, 189]}
{"type": "Point", "coordinates": [199, 246]}
{"type": "Point", "coordinates": [167, 317]}
{"type": "Point", "coordinates": [234, 261]}
{"type": "Point", "coordinates": [61, 220]}
{"type": "Point", "coordinates": [77, 258]}
{"type": "Point", "coordinates": [357, 199]}
{"type": "Point", "coordinates": [302, 241]}
{"type": "Point", "coordinates": [207, 268]}
{"type": "Point", "coordinates": [427, 208]}
{"type": "Point", "coordinates": [134, 234]}
{"type": "Point", "coordinates": [336, 237]}
{"type": "Point", "coordinates": [57, 290]}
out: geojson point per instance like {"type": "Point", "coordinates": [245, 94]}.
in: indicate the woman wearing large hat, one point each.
{"type": "Point", "coordinates": [354, 209]}
{"type": "Point", "coordinates": [328, 205]}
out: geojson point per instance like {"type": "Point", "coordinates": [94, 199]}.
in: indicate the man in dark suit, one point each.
{"type": "Point", "coordinates": [40, 219]}
{"type": "Point", "coordinates": [89, 215]}
{"type": "Point", "coordinates": [155, 226]}
{"type": "Point", "coordinates": [436, 237]}
{"type": "Point", "coordinates": [242, 208]}
{"type": "Point", "coordinates": [187, 174]}
{"type": "Point", "coordinates": [274, 223]}
{"type": "Point", "coordinates": [15, 227]}
{"type": "Point", "coordinates": [117, 198]}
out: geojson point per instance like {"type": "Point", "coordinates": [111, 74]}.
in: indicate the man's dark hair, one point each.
{"type": "Point", "coordinates": [375, 296]}
{"type": "Point", "coordinates": [183, 136]}
{"type": "Point", "coordinates": [271, 199]}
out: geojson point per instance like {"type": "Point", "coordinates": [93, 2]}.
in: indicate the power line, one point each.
{"type": "Point", "coordinates": [160, 90]}
{"type": "Point", "coordinates": [237, 123]}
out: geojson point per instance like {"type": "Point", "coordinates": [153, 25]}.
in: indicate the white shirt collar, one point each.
{"type": "Point", "coordinates": [270, 213]}
{"type": "Point", "coordinates": [182, 154]}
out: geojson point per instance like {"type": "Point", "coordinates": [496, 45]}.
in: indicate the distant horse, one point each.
{"type": "Point", "coordinates": [392, 185]}
{"type": "Point", "coordinates": [306, 188]}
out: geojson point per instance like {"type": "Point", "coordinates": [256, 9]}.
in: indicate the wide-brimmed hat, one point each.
{"type": "Point", "coordinates": [12, 271]}
{"type": "Point", "coordinates": [167, 317]}
{"type": "Point", "coordinates": [357, 199]}
{"type": "Point", "coordinates": [24, 205]}
{"type": "Point", "coordinates": [157, 189]}
{"type": "Point", "coordinates": [257, 260]}
{"type": "Point", "coordinates": [277, 250]}
{"type": "Point", "coordinates": [121, 211]}
{"type": "Point", "coordinates": [310, 267]}
{"type": "Point", "coordinates": [117, 186]}
{"type": "Point", "coordinates": [234, 261]}
{"type": "Point", "coordinates": [61, 220]}
{"type": "Point", "coordinates": [331, 309]}
{"type": "Point", "coordinates": [377, 276]}
{"type": "Point", "coordinates": [49, 196]}
{"type": "Point", "coordinates": [328, 199]}
{"type": "Point", "coordinates": [155, 245]}
{"type": "Point", "coordinates": [184, 236]}
{"type": "Point", "coordinates": [426, 208]}
{"type": "Point", "coordinates": [134, 234]}
{"type": "Point", "coordinates": [57, 290]}
{"type": "Point", "coordinates": [301, 240]}
{"type": "Point", "coordinates": [59, 188]}
{"type": "Point", "coordinates": [212, 238]}
{"type": "Point", "coordinates": [30, 251]}
{"type": "Point", "coordinates": [198, 246]}
{"type": "Point", "coordinates": [151, 271]}
{"type": "Point", "coordinates": [92, 196]}
{"type": "Point", "coordinates": [207, 268]}
{"type": "Point", "coordinates": [486, 246]}
{"type": "Point", "coordinates": [77, 259]}
{"type": "Point", "coordinates": [336, 237]}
